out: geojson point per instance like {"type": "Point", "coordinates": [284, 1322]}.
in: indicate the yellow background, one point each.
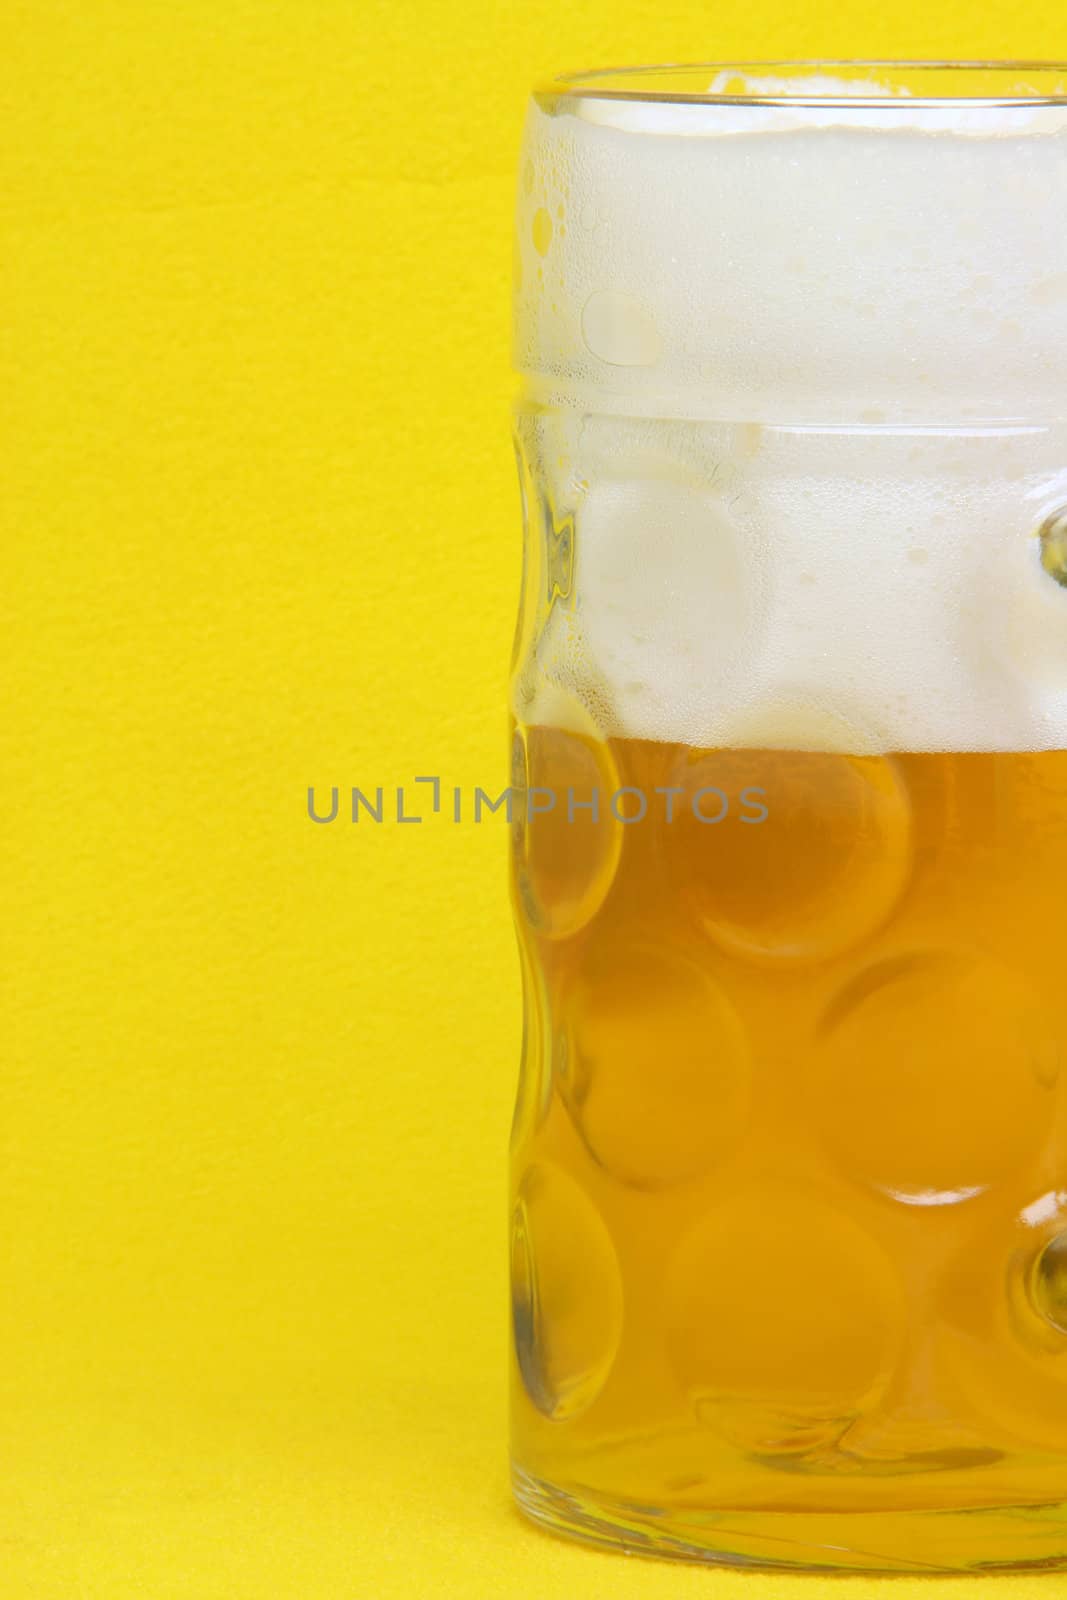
{"type": "Point", "coordinates": [261, 530]}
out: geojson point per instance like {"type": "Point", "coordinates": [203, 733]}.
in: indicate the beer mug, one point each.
{"type": "Point", "coordinates": [788, 1215]}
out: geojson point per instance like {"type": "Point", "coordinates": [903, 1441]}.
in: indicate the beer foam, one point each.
{"type": "Point", "coordinates": [797, 377]}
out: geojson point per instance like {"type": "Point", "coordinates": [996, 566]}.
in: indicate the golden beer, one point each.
{"type": "Point", "coordinates": [789, 1218]}
{"type": "Point", "coordinates": [788, 1224]}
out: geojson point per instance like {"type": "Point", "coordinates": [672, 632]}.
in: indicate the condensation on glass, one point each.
{"type": "Point", "coordinates": [789, 697]}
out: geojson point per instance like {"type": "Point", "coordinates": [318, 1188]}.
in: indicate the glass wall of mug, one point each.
{"type": "Point", "coordinates": [789, 783]}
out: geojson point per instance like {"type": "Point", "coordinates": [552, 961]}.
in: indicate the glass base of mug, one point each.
{"type": "Point", "coordinates": [978, 1539]}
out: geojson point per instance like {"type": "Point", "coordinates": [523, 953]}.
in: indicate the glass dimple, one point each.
{"type": "Point", "coordinates": [648, 1027]}
{"type": "Point", "coordinates": [619, 330]}
{"type": "Point", "coordinates": [1048, 1283]}
{"type": "Point", "coordinates": [783, 1319]}
{"type": "Point", "coordinates": [566, 1293]}
{"type": "Point", "coordinates": [923, 1124]}
{"type": "Point", "coordinates": [565, 839]}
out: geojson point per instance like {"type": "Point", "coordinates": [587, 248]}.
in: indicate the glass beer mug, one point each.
{"type": "Point", "coordinates": [789, 839]}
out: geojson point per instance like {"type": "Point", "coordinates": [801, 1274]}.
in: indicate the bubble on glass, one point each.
{"type": "Point", "coordinates": [1053, 537]}
{"type": "Point", "coordinates": [542, 231]}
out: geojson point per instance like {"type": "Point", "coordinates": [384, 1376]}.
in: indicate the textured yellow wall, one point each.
{"type": "Point", "coordinates": [261, 530]}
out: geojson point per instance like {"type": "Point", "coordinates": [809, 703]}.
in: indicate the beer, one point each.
{"type": "Point", "coordinates": [788, 1237]}
{"type": "Point", "coordinates": [789, 1137]}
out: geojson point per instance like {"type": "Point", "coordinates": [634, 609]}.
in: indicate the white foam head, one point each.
{"type": "Point", "coordinates": [798, 368]}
